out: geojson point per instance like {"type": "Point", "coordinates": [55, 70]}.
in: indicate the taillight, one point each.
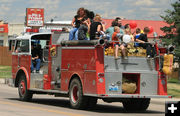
{"type": "Point", "coordinates": [100, 74]}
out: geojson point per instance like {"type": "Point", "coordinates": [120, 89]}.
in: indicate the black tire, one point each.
{"type": "Point", "coordinates": [92, 101]}
{"type": "Point", "coordinates": [136, 104]}
{"type": "Point", "coordinates": [77, 100]}
{"type": "Point", "coordinates": [24, 94]}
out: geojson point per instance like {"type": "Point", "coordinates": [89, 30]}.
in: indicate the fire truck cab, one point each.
{"type": "Point", "coordinates": [82, 71]}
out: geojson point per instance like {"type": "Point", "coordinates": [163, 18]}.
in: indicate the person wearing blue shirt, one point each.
{"type": "Point", "coordinates": [138, 32]}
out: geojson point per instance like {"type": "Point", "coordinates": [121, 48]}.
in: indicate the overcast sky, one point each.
{"type": "Point", "coordinates": [13, 11]}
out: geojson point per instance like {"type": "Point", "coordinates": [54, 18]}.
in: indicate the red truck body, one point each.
{"type": "Point", "coordinates": [81, 70]}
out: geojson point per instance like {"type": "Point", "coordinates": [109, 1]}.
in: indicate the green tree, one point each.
{"type": "Point", "coordinates": [172, 17]}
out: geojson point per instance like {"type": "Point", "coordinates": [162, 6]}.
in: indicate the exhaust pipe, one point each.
{"type": "Point", "coordinates": [82, 42]}
{"type": "Point", "coordinates": [101, 42]}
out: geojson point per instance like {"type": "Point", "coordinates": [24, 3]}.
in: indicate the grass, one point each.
{"type": "Point", "coordinates": [174, 87]}
{"type": "Point", "coordinates": [172, 80]}
{"type": "Point", "coordinates": [5, 71]}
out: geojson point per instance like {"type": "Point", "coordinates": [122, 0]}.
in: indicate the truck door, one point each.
{"type": "Point", "coordinates": [21, 56]}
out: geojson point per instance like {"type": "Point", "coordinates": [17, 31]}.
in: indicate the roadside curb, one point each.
{"type": "Point", "coordinates": [162, 101]}
{"type": "Point", "coordinates": [7, 81]}
{"type": "Point", "coordinates": [2, 81]}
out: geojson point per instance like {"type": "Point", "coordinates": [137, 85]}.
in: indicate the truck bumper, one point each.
{"type": "Point", "coordinates": [128, 96]}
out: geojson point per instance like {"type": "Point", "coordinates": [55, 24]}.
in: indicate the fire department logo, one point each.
{"type": "Point", "coordinates": [172, 108]}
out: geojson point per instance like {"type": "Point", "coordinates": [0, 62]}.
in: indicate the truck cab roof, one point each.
{"type": "Point", "coordinates": [37, 36]}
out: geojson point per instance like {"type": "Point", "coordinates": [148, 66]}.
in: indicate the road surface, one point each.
{"type": "Point", "coordinates": [48, 105]}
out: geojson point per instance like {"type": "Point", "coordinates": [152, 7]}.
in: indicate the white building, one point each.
{"type": "Point", "coordinates": [17, 29]}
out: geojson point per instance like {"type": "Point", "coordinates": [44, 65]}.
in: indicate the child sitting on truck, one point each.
{"type": "Point", "coordinates": [138, 33]}
{"type": "Point", "coordinates": [116, 38]}
{"type": "Point", "coordinates": [143, 42]}
{"type": "Point", "coordinates": [126, 39]}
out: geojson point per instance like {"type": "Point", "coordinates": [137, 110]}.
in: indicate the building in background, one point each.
{"type": "Point", "coordinates": [55, 26]}
{"type": "Point", "coordinates": [3, 33]}
{"type": "Point", "coordinates": [16, 28]}
{"type": "Point", "coordinates": [156, 25]}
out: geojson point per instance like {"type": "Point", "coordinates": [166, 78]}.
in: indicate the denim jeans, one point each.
{"type": "Point", "coordinates": [82, 32]}
{"type": "Point", "coordinates": [38, 62]}
{"type": "Point", "coordinates": [105, 37]}
{"type": "Point", "coordinates": [73, 34]}
{"type": "Point", "coordinates": [150, 51]}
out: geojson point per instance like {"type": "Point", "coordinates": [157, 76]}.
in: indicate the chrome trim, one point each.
{"type": "Point", "coordinates": [126, 96]}
{"type": "Point", "coordinates": [49, 91]}
{"type": "Point", "coordinates": [64, 69]}
{"type": "Point", "coordinates": [124, 63]}
{"type": "Point", "coordinates": [89, 70]}
{"type": "Point", "coordinates": [78, 47]}
{"type": "Point", "coordinates": [135, 96]}
{"type": "Point", "coordinates": [25, 53]}
{"type": "Point", "coordinates": [131, 71]}
{"type": "Point", "coordinates": [93, 95]}
{"type": "Point", "coordinates": [136, 42]}
{"type": "Point", "coordinates": [129, 57]}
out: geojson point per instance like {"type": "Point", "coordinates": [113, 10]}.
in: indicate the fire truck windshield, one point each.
{"type": "Point", "coordinates": [22, 46]}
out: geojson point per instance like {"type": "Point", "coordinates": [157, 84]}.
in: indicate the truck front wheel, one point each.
{"type": "Point", "coordinates": [77, 100]}
{"type": "Point", "coordinates": [136, 104]}
{"type": "Point", "coordinates": [24, 94]}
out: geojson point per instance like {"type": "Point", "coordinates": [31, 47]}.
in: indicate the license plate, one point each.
{"type": "Point", "coordinates": [113, 88]}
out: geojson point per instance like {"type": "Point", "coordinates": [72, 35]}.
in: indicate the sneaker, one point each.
{"type": "Point", "coordinates": [37, 71]}
{"type": "Point", "coordinates": [148, 56]}
{"type": "Point", "coordinates": [33, 71]}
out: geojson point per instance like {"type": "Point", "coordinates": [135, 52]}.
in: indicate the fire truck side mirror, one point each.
{"type": "Point", "coordinates": [10, 45]}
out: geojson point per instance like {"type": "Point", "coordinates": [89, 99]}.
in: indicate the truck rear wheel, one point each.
{"type": "Point", "coordinates": [24, 94]}
{"type": "Point", "coordinates": [136, 104]}
{"type": "Point", "coordinates": [77, 100]}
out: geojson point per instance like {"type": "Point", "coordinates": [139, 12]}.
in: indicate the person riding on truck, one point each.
{"type": "Point", "coordinates": [143, 42]}
{"type": "Point", "coordinates": [35, 59]}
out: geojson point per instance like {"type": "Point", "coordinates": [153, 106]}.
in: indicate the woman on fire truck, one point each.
{"type": "Point", "coordinates": [78, 20]}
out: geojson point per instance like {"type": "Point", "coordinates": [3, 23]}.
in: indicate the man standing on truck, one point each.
{"type": "Point", "coordinates": [35, 59]}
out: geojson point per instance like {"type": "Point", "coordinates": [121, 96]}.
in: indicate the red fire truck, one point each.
{"type": "Point", "coordinates": [81, 71]}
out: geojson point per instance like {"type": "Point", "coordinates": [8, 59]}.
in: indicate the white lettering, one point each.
{"type": "Point", "coordinates": [35, 20]}
{"type": "Point", "coordinates": [35, 17]}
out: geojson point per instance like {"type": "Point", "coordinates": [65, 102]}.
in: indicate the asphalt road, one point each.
{"type": "Point", "coordinates": [47, 105]}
